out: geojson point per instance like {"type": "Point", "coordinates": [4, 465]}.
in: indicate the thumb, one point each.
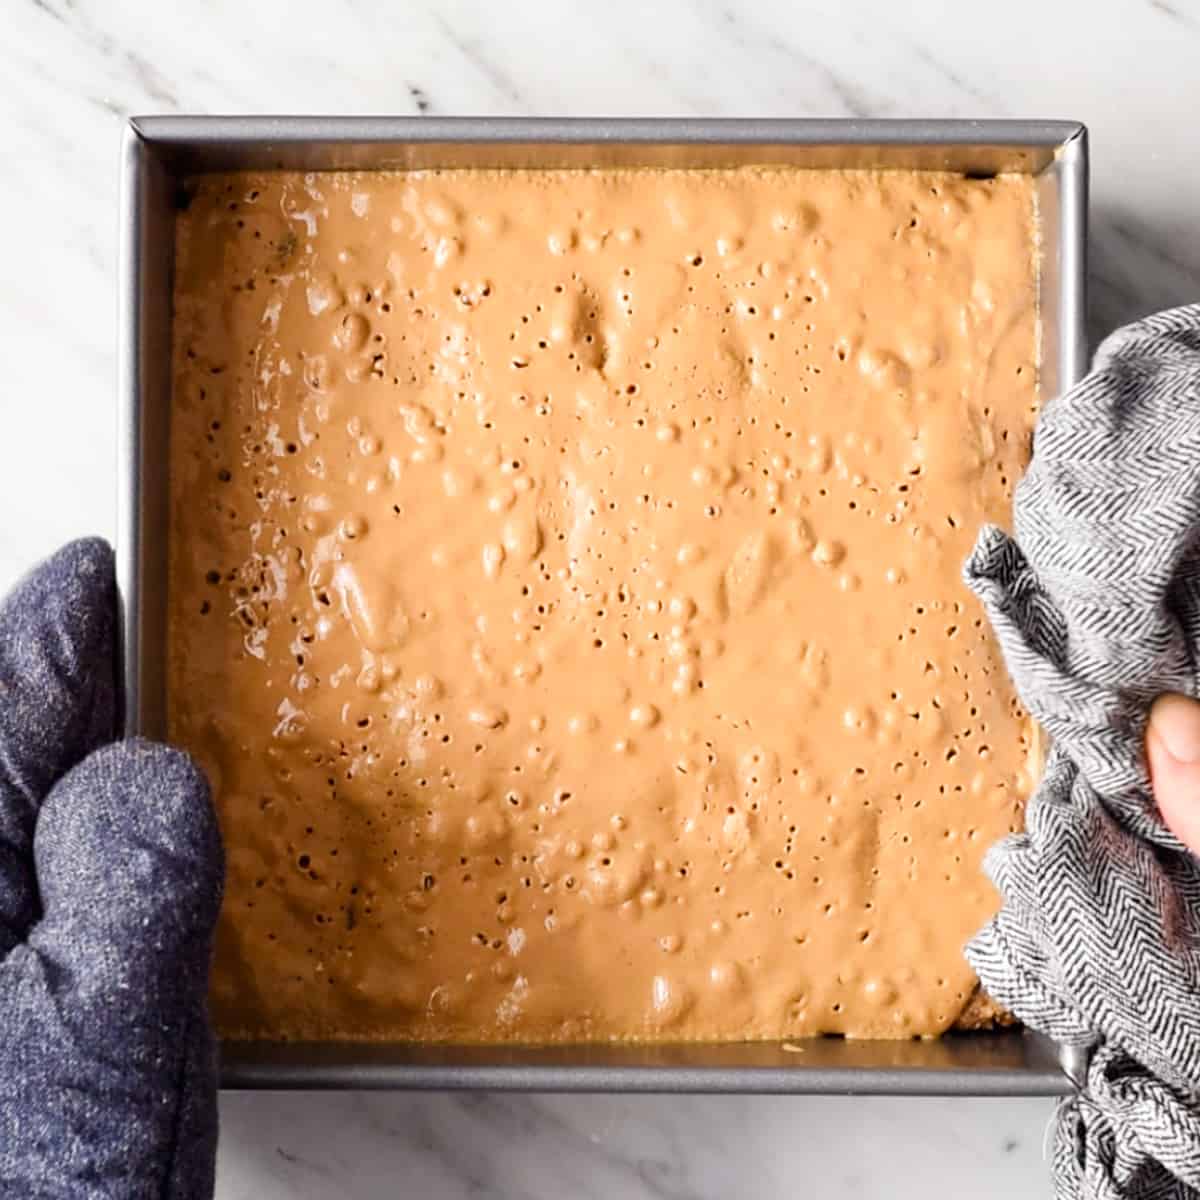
{"type": "Point", "coordinates": [129, 866]}
{"type": "Point", "coordinates": [107, 1067]}
{"type": "Point", "coordinates": [1173, 755]}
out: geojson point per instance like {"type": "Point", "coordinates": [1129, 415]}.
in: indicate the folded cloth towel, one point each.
{"type": "Point", "coordinates": [1096, 605]}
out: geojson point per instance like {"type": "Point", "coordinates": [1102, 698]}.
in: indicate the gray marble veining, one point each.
{"type": "Point", "coordinates": [636, 1148]}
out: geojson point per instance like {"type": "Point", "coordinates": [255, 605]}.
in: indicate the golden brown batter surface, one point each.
{"type": "Point", "coordinates": [565, 594]}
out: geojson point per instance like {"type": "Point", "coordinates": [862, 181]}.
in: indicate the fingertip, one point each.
{"type": "Point", "coordinates": [1173, 760]}
{"type": "Point", "coordinates": [1175, 719]}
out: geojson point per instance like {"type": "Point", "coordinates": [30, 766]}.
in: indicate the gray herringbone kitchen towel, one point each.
{"type": "Point", "coordinates": [1096, 603]}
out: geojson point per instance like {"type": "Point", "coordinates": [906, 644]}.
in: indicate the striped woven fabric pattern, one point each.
{"type": "Point", "coordinates": [1095, 601]}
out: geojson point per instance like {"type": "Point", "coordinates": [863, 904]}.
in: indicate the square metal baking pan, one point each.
{"type": "Point", "coordinates": [159, 151]}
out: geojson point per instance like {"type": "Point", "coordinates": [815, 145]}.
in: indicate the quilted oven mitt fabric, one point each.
{"type": "Point", "coordinates": [110, 882]}
{"type": "Point", "coordinates": [1096, 604]}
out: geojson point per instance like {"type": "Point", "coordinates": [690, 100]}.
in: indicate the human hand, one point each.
{"type": "Point", "coordinates": [110, 882]}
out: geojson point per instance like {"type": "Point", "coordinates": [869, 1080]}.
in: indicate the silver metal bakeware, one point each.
{"type": "Point", "coordinates": [159, 151]}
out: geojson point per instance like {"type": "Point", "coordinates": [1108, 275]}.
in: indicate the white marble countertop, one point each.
{"type": "Point", "coordinates": [72, 70]}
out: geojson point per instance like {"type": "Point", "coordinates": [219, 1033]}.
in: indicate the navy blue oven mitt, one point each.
{"type": "Point", "coordinates": [110, 881]}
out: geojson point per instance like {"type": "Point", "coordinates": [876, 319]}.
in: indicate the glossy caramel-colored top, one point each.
{"type": "Point", "coordinates": [565, 594]}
